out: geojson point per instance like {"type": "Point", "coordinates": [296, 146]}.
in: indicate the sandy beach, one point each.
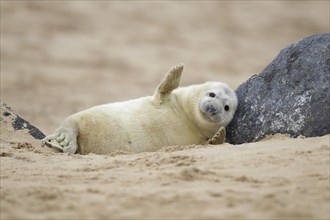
{"type": "Point", "coordinates": [60, 57]}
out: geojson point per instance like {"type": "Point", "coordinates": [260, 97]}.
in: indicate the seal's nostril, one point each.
{"type": "Point", "coordinates": [211, 109]}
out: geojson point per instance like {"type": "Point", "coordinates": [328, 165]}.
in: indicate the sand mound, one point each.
{"type": "Point", "coordinates": [278, 177]}
{"type": "Point", "coordinates": [274, 178]}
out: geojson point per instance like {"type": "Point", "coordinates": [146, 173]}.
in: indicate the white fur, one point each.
{"type": "Point", "coordinates": [148, 123]}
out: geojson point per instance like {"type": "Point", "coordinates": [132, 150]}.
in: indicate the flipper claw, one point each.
{"type": "Point", "coordinates": [219, 137]}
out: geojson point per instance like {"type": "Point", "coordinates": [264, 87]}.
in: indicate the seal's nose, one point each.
{"type": "Point", "coordinates": [211, 109]}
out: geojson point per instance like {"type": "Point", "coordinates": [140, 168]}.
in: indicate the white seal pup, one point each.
{"type": "Point", "coordinates": [195, 114]}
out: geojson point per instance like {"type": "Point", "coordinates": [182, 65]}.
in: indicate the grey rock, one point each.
{"type": "Point", "coordinates": [290, 96]}
{"type": "Point", "coordinates": [18, 123]}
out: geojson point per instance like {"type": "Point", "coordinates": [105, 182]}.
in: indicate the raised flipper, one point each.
{"type": "Point", "coordinates": [219, 137]}
{"type": "Point", "coordinates": [169, 83]}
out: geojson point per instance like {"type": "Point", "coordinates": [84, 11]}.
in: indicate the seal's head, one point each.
{"type": "Point", "coordinates": [218, 103]}
{"type": "Point", "coordinates": [208, 106]}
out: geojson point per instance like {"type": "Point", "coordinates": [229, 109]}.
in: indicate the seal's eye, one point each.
{"type": "Point", "coordinates": [226, 107]}
{"type": "Point", "coordinates": [212, 94]}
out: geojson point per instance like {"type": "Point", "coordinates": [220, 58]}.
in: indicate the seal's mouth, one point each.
{"type": "Point", "coordinates": [211, 113]}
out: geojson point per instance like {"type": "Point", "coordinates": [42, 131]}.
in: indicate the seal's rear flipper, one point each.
{"type": "Point", "coordinates": [52, 143]}
{"type": "Point", "coordinates": [219, 137]}
{"type": "Point", "coordinates": [64, 139]}
{"type": "Point", "coordinates": [169, 83]}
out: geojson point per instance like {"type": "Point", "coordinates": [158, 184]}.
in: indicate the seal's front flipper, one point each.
{"type": "Point", "coordinates": [219, 137]}
{"type": "Point", "coordinates": [169, 83]}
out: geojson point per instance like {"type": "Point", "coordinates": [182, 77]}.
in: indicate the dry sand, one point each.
{"type": "Point", "coordinates": [59, 57]}
{"type": "Point", "coordinates": [278, 178]}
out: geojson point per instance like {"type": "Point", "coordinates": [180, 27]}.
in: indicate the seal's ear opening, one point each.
{"type": "Point", "coordinates": [170, 82]}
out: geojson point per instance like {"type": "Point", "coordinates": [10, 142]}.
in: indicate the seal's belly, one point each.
{"type": "Point", "coordinates": [134, 126]}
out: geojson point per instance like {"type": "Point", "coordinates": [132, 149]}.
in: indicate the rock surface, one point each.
{"type": "Point", "coordinates": [290, 96]}
{"type": "Point", "coordinates": [9, 118]}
